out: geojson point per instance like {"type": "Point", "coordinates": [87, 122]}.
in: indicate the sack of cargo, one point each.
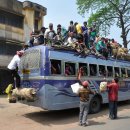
{"type": "Point", "coordinates": [127, 57]}
{"type": "Point", "coordinates": [27, 93]}
{"type": "Point", "coordinates": [9, 88]}
{"type": "Point", "coordinates": [76, 87]}
{"type": "Point", "coordinates": [103, 86]}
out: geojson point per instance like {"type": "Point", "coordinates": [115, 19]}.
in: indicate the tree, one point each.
{"type": "Point", "coordinates": [107, 13]}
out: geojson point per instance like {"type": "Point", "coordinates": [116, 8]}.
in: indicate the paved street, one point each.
{"type": "Point", "coordinates": [22, 117]}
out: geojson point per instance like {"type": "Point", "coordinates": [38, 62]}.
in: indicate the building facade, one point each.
{"type": "Point", "coordinates": [17, 21]}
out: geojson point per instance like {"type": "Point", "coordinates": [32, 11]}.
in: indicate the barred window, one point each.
{"type": "Point", "coordinates": [30, 60]}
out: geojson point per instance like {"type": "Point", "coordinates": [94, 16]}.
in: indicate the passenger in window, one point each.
{"type": "Point", "coordinates": [102, 72]}
{"type": "Point", "coordinates": [53, 69]}
{"type": "Point", "coordinates": [116, 74]}
{"type": "Point", "coordinates": [92, 71]}
{"type": "Point", "coordinates": [68, 70]}
{"type": "Point", "coordinates": [82, 71]}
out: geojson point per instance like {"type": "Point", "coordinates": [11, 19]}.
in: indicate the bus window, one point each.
{"type": "Point", "coordinates": [69, 68]}
{"type": "Point", "coordinates": [93, 69]}
{"type": "Point", "coordinates": [55, 67]}
{"type": "Point", "coordinates": [128, 73]}
{"type": "Point", "coordinates": [123, 72]}
{"type": "Point", "coordinates": [117, 71]}
{"type": "Point", "coordinates": [84, 67]}
{"type": "Point", "coordinates": [109, 71]}
{"type": "Point", "coordinates": [102, 70]}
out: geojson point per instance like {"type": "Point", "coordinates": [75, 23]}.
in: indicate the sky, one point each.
{"type": "Point", "coordinates": [63, 11]}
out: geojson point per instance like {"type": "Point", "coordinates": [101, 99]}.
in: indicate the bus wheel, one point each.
{"type": "Point", "coordinates": [95, 105]}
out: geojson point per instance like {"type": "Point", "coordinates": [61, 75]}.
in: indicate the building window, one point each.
{"type": "Point", "coordinates": [11, 19]}
{"type": "Point", "coordinates": [36, 25]}
{"type": "Point", "coordinates": [8, 49]}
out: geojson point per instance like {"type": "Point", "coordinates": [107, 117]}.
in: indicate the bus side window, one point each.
{"type": "Point", "coordinates": [55, 67]}
{"type": "Point", "coordinates": [83, 66]}
{"type": "Point", "coordinates": [102, 70]}
{"type": "Point", "coordinates": [69, 68]}
{"type": "Point", "coordinates": [117, 71]}
{"type": "Point", "coordinates": [123, 73]}
{"type": "Point", "coordinates": [128, 73]}
{"type": "Point", "coordinates": [93, 69]}
{"type": "Point", "coordinates": [109, 71]}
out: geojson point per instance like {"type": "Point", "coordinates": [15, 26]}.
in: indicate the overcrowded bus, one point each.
{"type": "Point", "coordinates": [45, 68]}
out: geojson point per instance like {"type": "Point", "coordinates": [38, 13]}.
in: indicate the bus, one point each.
{"type": "Point", "coordinates": [45, 68]}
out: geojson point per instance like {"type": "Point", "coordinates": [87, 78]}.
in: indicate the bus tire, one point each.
{"type": "Point", "coordinates": [95, 105]}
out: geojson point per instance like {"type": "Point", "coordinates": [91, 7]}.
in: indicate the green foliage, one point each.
{"type": "Point", "coordinates": [106, 13]}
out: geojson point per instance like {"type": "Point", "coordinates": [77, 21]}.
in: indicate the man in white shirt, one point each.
{"type": "Point", "coordinates": [71, 40]}
{"type": "Point", "coordinates": [13, 68]}
{"type": "Point", "coordinates": [49, 33]}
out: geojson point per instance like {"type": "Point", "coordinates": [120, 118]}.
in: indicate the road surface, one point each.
{"type": "Point", "coordinates": [18, 116]}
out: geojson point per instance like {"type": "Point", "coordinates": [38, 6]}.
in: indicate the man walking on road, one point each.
{"type": "Point", "coordinates": [84, 100]}
{"type": "Point", "coordinates": [113, 98]}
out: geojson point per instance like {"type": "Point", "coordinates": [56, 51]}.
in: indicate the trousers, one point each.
{"type": "Point", "coordinates": [84, 106]}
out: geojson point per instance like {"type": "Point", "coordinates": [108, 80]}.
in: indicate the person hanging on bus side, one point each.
{"type": "Point", "coordinates": [13, 68]}
{"type": "Point", "coordinates": [113, 98]}
{"type": "Point", "coordinates": [84, 100]}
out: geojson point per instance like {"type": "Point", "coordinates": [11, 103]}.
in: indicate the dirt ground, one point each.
{"type": "Point", "coordinates": [17, 116]}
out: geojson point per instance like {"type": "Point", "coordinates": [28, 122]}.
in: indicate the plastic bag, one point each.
{"type": "Point", "coordinates": [76, 87]}
{"type": "Point", "coordinates": [103, 86]}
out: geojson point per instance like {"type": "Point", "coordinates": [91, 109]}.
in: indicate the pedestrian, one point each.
{"type": "Point", "coordinates": [84, 100]}
{"type": "Point", "coordinates": [113, 98]}
{"type": "Point", "coordinates": [13, 68]}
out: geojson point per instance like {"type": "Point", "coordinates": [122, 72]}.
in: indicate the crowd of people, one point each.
{"type": "Point", "coordinates": [82, 38]}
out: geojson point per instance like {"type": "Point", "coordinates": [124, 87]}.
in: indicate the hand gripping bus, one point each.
{"type": "Point", "coordinates": [52, 72]}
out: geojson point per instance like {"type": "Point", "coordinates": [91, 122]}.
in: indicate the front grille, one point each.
{"type": "Point", "coordinates": [30, 59]}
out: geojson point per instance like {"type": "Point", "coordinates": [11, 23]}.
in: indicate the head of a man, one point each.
{"type": "Point", "coordinates": [51, 26]}
{"type": "Point", "coordinates": [116, 80]}
{"type": "Point", "coordinates": [85, 84]}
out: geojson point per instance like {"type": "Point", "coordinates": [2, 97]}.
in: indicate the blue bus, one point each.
{"type": "Point", "coordinates": [46, 69]}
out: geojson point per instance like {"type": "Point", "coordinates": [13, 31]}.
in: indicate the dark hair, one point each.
{"type": "Point", "coordinates": [71, 22]}
{"type": "Point", "coordinates": [85, 22]}
{"type": "Point", "coordinates": [116, 80]}
{"type": "Point", "coordinates": [58, 26]}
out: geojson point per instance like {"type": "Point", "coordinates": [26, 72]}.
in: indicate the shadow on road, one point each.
{"type": "Point", "coordinates": [70, 116]}
{"type": "Point", "coordinates": [54, 117]}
